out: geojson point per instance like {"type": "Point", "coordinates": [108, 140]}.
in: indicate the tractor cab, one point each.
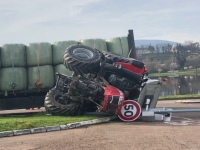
{"type": "Point", "coordinates": [128, 77]}
{"type": "Point", "coordinates": [128, 87]}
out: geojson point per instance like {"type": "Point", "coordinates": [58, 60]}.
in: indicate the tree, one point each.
{"type": "Point", "coordinates": [163, 48]}
{"type": "Point", "coordinates": [152, 66]}
{"type": "Point", "coordinates": [180, 54]}
{"type": "Point", "coordinates": [158, 48]}
{"type": "Point", "coordinates": [151, 48]}
{"type": "Point", "coordinates": [192, 47]}
{"type": "Point", "coordinates": [166, 47]}
{"type": "Point", "coordinates": [167, 65]}
{"type": "Point", "coordinates": [141, 48]}
{"type": "Point", "coordinates": [193, 60]}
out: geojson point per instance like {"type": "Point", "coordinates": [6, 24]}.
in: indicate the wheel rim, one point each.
{"type": "Point", "coordinates": [83, 53]}
{"type": "Point", "coordinates": [59, 99]}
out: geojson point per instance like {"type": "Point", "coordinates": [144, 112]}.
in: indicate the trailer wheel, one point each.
{"type": "Point", "coordinates": [54, 105]}
{"type": "Point", "coordinates": [82, 59]}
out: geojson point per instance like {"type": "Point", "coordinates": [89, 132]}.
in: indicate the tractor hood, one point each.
{"type": "Point", "coordinates": [113, 100]}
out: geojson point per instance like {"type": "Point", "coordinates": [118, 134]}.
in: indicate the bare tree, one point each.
{"type": "Point", "coordinates": [152, 66]}
{"type": "Point", "coordinates": [167, 65]}
{"type": "Point", "coordinates": [157, 48]}
{"type": "Point", "coordinates": [151, 48]}
{"type": "Point", "coordinates": [192, 47]}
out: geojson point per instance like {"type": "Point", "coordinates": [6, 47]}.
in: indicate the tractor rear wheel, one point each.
{"type": "Point", "coordinates": [82, 59]}
{"type": "Point", "coordinates": [55, 105]}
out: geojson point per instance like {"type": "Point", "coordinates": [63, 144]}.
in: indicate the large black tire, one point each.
{"type": "Point", "coordinates": [82, 59]}
{"type": "Point", "coordinates": [54, 107]}
{"type": "Point", "coordinates": [112, 58]}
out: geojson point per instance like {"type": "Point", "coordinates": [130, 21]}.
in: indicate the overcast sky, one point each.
{"type": "Point", "coordinates": [27, 21]}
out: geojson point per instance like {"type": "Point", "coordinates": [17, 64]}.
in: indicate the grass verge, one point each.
{"type": "Point", "coordinates": [187, 96]}
{"type": "Point", "coordinates": [38, 120]}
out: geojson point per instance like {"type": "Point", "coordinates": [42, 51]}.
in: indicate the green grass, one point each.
{"type": "Point", "coordinates": [171, 74]}
{"type": "Point", "coordinates": [27, 122]}
{"type": "Point", "coordinates": [187, 96]}
{"type": "Point", "coordinates": [185, 72]}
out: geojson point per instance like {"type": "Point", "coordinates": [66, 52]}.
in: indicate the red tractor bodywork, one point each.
{"type": "Point", "coordinates": [113, 97]}
{"type": "Point", "coordinates": [133, 68]}
{"type": "Point", "coordinates": [113, 100]}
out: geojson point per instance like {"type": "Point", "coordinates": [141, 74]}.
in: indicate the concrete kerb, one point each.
{"type": "Point", "coordinates": [56, 128]}
{"type": "Point", "coordinates": [188, 101]}
{"type": "Point", "coordinates": [89, 122]}
{"type": "Point", "coordinates": [6, 134]}
{"type": "Point", "coordinates": [38, 130]}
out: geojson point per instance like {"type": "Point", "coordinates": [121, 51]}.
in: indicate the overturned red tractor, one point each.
{"type": "Point", "coordinates": [101, 82]}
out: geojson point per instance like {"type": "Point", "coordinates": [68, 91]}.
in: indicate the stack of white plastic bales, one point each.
{"type": "Point", "coordinates": [39, 63]}
{"type": "Point", "coordinates": [13, 73]}
{"type": "Point", "coordinates": [58, 50]}
{"type": "Point", "coordinates": [99, 44]}
{"type": "Point", "coordinates": [0, 57]}
{"type": "Point", "coordinates": [34, 66]}
{"type": "Point", "coordinates": [118, 45]}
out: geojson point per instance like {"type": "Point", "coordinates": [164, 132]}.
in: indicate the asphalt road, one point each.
{"type": "Point", "coordinates": [181, 133]}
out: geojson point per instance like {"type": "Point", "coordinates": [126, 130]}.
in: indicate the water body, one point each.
{"type": "Point", "coordinates": [180, 85]}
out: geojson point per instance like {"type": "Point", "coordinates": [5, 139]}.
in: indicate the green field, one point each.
{"type": "Point", "coordinates": [184, 72]}
{"type": "Point", "coordinates": [187, 96]}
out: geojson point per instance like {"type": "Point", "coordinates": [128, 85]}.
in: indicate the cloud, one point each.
{"type": "Point", "coordinates": [76, 6]}
{"type": "Point", "coordinates": [50, 20]}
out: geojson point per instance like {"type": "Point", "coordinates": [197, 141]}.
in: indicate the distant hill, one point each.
{"type": "Point", "coordinates": [153, 42]}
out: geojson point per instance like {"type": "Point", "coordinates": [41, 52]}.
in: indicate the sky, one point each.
{"type": "Point", "coordinates": [28, 21]}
